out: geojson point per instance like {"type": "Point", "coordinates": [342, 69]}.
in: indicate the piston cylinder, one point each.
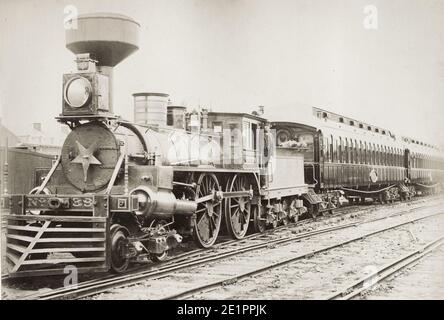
{"type": "Point", "coordinates": [161, 203]}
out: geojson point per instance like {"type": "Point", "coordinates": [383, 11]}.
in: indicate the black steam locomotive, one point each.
{"type": "Point", "coordinates": [122, 192]}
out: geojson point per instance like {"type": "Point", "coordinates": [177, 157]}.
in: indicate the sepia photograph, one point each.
{"type": "Point", "coordinates": [224, 155]}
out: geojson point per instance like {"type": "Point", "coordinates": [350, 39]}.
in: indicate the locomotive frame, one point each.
{"type": "Point", "coordinates": [87, 225]}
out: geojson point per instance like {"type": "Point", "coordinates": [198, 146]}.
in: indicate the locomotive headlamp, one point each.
{"type": "Point", "coordinates": [85, 94]}
{"type": "Point", "coordinates": [77, 92]}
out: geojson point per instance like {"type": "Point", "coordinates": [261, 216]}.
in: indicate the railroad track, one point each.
{"type": "Point", "coordinates": [194, 252]}
{"type": "Point", "coordinates": [185, 294]}
{"type": "Point", "coordinates": [198, 257]}
{"type": "Point", "coordinates": [356, 288]}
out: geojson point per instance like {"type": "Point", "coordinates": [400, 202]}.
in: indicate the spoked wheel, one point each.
{"type": "Point", "coordinates": [208, 213]}
{"type": "Point", "coordinates": [119, 234]}
{"type": "Point", "coordinates": [258, 219]}
{"type": "Point", "coordinates": [237, 210]}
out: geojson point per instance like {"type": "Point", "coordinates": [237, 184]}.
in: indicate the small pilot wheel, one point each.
{"type": "Point", "coordinates": [119, 263]}
{"type": "Point", "coordinates": [237, 210]}
{"type": "Point", "coordinates": [208, 213]}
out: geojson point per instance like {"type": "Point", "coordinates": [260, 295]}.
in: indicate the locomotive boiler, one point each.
{"type": "Point", "coordinates": [123, 191]}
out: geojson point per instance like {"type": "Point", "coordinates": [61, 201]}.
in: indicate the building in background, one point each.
{"type": "Point", "coordinates": [30, 157]}
{"type": "Point", "coordinates": [7, 137]}
{"type": "Point", "coordinates": [37, 140]}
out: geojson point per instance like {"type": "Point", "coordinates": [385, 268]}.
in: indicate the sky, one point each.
{"type": "Point", "coordinates": [234, 55]}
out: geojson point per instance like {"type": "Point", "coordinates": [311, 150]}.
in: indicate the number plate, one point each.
{"type": "Point", "coordinates": [82, 203]}
{"type": "Point", "coordinates": [37, 203]}
{"type": "Point", "coordinates": [42, 203]}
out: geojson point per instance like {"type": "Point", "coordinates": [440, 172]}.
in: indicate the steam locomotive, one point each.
{"type": "Point", "coordinates": [122, 191]}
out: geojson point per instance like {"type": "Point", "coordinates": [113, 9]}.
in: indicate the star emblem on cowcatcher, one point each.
{"type": "Point", "coordinates": [86, 158]}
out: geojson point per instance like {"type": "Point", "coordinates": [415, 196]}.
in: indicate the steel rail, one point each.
{"type": "Point", "coordinates": [186, 255]}
{"type": "Point", "coordinates": [233, 279]}
{"type": "Point", "coordinates": [338, 212]}
{"type": "Point", "coordinates": [195, 252]}
{"type": "Point", "coordinates": [385, 271]}
{"type": "Point", "coordinates": [93, 287]}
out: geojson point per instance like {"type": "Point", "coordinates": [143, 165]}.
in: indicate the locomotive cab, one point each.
{"type": "Point", "coordinates": [241, 138]}
{"type": "Point", "coordinates": [306, 139]}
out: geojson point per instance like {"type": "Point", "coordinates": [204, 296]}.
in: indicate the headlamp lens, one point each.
{"type": "Point", "coordinates": [77, 92]}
